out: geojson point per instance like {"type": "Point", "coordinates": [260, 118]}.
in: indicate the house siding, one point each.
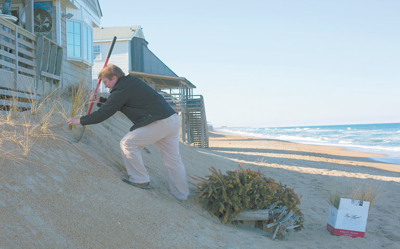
{"type": "Point", "coordinates": [143, 60]}
{"type": "Point", "coordinates": [71, 73]}
{"type": "Point", "coordinates": [153, 65]}
{"type": "Point", "coordinates": [92, 5]}
{"type": "Point", "coordinates": [137, 54]}
{"type": "Point", "coordinates": [119, 57]}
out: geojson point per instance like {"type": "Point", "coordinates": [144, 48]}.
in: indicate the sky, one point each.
{"type": "Point", "coordinates": [274, 63]}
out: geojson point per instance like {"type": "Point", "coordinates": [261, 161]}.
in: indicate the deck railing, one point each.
{"type": "Point", "coordinates": [178, 101]}
{"type": "Point", "coordinates": [28, 63]}
{"type": "Point", "coordinates": [174, 100]}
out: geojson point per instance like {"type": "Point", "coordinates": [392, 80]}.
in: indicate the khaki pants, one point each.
{"type": "Point", "coordinates": [165, 135]}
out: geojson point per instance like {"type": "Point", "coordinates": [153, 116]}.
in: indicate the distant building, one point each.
{"type": "Point", "coordinates": [130, 53]}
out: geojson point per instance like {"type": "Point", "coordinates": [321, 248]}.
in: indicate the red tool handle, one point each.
{"type": "Point", "coordinates": [105, 64]}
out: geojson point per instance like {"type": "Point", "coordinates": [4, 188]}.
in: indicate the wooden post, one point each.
{"type": "Point", "coordinates": [46, 55]}
{"type": "Point", "coordinates": [16, 57]}
{"type": "Point", "coordinates": [60, 54]}
{"type": "Point", "coordinates": [52, 63]}
{"type": "Point", "coordinates": [45, 62]}
{"type": "Point", "coordinates": [190, 140]}
{"type": "Point", "coordinates": [39, 57]}
{"type": "Point", "coordinates": [29, 15]}
{"type": "Point", "coordinates": [202, 121]}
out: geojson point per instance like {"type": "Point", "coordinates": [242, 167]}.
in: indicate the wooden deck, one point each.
{"type": "Point", "coordinates": [29, 64]}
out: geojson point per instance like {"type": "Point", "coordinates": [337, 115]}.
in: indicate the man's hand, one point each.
{"type": "Point", "coordinates": [94, 97]}
{"type": "Point", "coordinates": [74, 121]}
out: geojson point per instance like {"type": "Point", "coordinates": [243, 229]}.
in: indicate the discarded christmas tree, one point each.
{"type": "Point", "coordinates": [228, 195]}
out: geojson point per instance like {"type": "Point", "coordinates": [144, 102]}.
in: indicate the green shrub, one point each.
{"type": "Point", "coordinates": [226, 196]}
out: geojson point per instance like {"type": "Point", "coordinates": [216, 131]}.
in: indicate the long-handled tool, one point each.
{"type": "Point", "coordinates": [98, 84]}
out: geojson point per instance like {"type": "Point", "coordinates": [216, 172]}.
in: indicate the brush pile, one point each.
{"type": "Point", "coordinates": [227, 196]}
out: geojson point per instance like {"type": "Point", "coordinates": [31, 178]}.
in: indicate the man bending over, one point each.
{"type": "Point", "coordinates": [155, 122]}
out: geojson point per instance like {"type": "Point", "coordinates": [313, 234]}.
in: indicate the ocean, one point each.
{"type": "Point", "coordinates": [374, 138]}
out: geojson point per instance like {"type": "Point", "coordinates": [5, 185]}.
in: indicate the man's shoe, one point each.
{"type": "Point", "coordinates": [145, 185]}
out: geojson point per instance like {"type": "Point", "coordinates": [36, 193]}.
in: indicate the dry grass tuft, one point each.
{"type": "Point", "coordinates": [24, 129]}
{"type": "Point", "coordinates": [24, 134]}
{"type": "Point", "coordinates": [334, 197]}
{"type": "Point", "coordinates": [11, 113]}
{"type": "Point", "coordinates": [365, 191]}
{"type": "Point", "coordinates": [21, 135]}
{"type": "Point", "coordinates": [9, 155]}
{"type": "Point", "coordinates": [37, 104]}
{"type": "Point", "coordinates": [79, 96]}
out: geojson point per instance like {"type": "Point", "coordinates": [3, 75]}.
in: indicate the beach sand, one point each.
{"type": "Point", "coordinates": [70, 195]}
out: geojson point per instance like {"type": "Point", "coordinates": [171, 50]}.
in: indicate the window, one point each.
{"type": "Point", "coordinates": [80, 42]}
{"type": "Point", "coordinates": [96, 52]}
{"type": "Point", "coordinates": [74, 39]}
{"type": "Point", "coordinates": [88, 44]}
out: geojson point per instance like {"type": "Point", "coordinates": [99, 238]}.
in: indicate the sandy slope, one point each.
{"type": "Point", "coordinates": [70, 195]}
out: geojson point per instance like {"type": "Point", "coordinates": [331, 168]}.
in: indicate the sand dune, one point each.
{"type": "Point", "coordinates": [70, 195]}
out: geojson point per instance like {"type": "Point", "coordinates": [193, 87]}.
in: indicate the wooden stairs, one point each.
{"type": "Point", "coordinates": [195, 122]}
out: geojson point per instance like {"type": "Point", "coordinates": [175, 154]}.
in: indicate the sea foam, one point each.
{"type": "Point", "coordinates": [374, 138]}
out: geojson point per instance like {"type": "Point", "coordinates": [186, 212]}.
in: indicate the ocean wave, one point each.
{"type": "Point", "coordinates": [365, 137]}
{"type": "Point", "coordinates": [373, 138]}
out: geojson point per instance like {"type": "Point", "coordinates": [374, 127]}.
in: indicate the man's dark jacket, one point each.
{"type": "Point", "coordinates": [134, 98]}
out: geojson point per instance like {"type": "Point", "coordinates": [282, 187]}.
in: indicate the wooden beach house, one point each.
{"type": "Point", "coordinates": [132, 55]}
{"type": "Point", "coordinates": [45, 44]}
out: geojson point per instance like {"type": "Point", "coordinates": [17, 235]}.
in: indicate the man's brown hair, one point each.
{"type": "Point", "coordinates": [111, 70]}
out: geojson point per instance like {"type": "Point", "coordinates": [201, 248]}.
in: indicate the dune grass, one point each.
{"type": "Point", "coordinates": [367, 192]}
{"type": "Point", "coordinates": [364, 191]}
{"type": "Point", "coordinates": [12, 111]}
{"type": "Point", "coordinates": [79, 99]}
{"type": "Point", "coordinates": [26, 136]}
{"type": "Point", "coordinates": [37, 104]}
{"type": "Point", "coordinates": [24, 129]}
